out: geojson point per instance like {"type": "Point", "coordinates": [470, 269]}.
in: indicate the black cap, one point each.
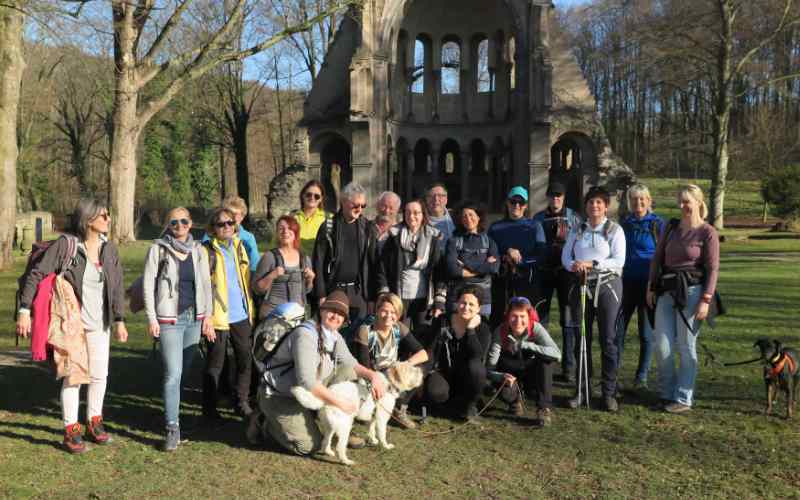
{"type": "Point", "coordinates": [555, 189]}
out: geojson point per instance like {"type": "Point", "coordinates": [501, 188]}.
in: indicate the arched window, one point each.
{"type": "Point", "coordinates": [484, 76]}
{"type": "Point", "coordinates": [511, 55]}
{"type": "Point", "coordinates": [418, 72]}
{"type": "Point", "coordinates": [451, 68]}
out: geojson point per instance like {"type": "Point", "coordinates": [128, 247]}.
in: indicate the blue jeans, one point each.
{"type": "Point", "coordinates": [634, 300]}
{"type": "Point", "coordinates": [671, 335]}
{"type": "Point", "coordinates": [178, 352]}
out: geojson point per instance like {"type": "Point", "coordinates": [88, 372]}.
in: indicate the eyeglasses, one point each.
{"type": "Point", "coordinates": [314, 196]}
{"type": "Point", "coordinates": [359, 206]}
{"type": "Point", "coordinates": [517, 201]}
{"type": "Point", "coordinates": [225, 223]}
{"type": "Point", "coordinates": [175, 222]}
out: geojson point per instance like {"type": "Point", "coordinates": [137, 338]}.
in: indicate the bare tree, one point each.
{"type": "Point", "coordinates": [138, 69]}
{"type": "Point", "coordinates": [12, 64]}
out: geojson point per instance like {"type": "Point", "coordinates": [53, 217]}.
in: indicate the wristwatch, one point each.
{"type": "Point", "coordinates": [595, 263]}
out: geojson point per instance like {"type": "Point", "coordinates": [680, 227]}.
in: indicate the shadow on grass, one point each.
{"type": "Point", "coordinates": [133, 408]}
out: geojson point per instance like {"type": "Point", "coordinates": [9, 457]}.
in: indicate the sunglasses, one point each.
{"type": "Point", "coordinates": [313, 196]}
{"type": "Point", "coordinates": [227, 223]}
{"type": "Point", "coordinates": [518, 202]}
{"type": "Point", "coordinates": [104, 215]}
{"type": "Point", "coordinates": [175, 222]}
{"type": "Point", "coordinates": [519, 301]}
{"type": "Point", "coordinates": [360, 206]}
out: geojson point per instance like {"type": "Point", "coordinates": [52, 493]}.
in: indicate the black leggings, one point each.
{"type": "Point", "coordinates": [239, 337]}
{"type": "Point", "coordinates": [534, 374]}
{"type": "Point", "coordinates": [462, 385]}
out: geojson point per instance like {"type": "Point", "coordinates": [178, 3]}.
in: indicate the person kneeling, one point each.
{"type": "Point", "coordinates": [522, 355]}
{"type": "Point", "coordinates": [458, 344]}
{"type": "Point", "coordinates": [313, 356]}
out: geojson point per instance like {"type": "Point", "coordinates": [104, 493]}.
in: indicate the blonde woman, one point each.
{"type": "Point", "coordinates": [178, 305]}
{"type": "Point", "coordinates": [683, 279]}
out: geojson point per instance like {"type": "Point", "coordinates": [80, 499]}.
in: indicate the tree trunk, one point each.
{"type": "Point", "coordinates": [12, 65]}
{"type": "Point", "coordinates": [123, 160]}
{"type": "Point", "coordinates": [722, 114]}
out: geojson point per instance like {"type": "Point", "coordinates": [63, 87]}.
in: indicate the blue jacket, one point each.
{"type": "Point", "coordinates": [519, 234]}
{"type": "Point", "coordinates": [640, 244]}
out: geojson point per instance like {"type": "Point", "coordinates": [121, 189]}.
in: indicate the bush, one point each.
{"type": "Point", "coordinates": [781, 189]}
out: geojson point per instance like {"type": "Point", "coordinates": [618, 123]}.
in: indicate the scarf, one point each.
{"type": "Point", "coordinates": [178, 245]}
{"type": "Point", "coordinates": [418, 244]}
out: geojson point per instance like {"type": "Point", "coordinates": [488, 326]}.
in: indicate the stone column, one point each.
{"type": "Point", "coordinates": [435, 164]}
{"type": "Point", "coordinates": [408, 175]}
{"type": "Point", "coordinates": [538, 167]}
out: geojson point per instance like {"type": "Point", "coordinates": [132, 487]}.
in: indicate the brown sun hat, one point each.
{"type": "Point", "coordinates": [337, 302]}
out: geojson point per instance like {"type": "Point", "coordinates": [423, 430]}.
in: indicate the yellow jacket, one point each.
{"type": "Point", "coordinates": [219, 281]}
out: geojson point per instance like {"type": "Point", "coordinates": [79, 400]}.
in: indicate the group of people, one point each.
{"type": "Point", "coordinates": [466, 301]}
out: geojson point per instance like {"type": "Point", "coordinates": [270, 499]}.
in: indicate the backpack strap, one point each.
{"type": "Point", "coordinates": [654, 230]}
{"type": "Point", "coordinates": [212, 266]}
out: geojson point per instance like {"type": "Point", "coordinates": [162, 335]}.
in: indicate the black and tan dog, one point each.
{"type": "Point", "coordinates": [781, 371]}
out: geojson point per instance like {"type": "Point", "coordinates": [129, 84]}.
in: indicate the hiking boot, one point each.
{"type": "Point", "coordinates": [253, 431]}
{"type": "Point", "coordinates": [640, 385]}
{"type": "Point", "coordinates": [355, 442]}
{"type": "Point", "coordinates": [173, 437]}
{"type": "Point", "coordinates": [516, 408]}
{"type": "Point", "coordinates": [400, 416]}
{"type": "Point", "coordinates": [545, 416]}
{"type": "Point", "coordinates": [676, 407]}
{"type": "Point", "coordinates": [611, 404]}
{"type": "Point", "coordinates": [96, 431]}
{"type": "Point", "coordinates": [471, 415]}
{"type": "Point", "coordinates": [73, 441]}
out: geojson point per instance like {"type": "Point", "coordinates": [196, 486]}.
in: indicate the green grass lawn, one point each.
{"type": "Point", "coordinates": [724, 448]}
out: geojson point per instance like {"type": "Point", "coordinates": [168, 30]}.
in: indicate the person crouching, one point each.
{"type": "Point", "coordinates": [523, 355]}
{"type": "Point", "coordinates": [313, 356]}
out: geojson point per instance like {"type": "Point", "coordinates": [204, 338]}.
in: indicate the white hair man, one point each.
{"type": "Point", "coordinates": [344, 253]}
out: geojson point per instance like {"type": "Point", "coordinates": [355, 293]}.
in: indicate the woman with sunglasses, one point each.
{"type": "Point", "coordinates": [522, 355]}
{"type": "Point", "coordinates": [233, 312]}
{"type": "Point", "coordinates": [177, 302]}
{"type": "Point", "coordinates": [90, 264]}
{"type": "Point", "coordinates": [284, 273]}
{"type": "Point", "coordinates": [311, 214]}
{"type": "Point", "coordinates": [515, 236]}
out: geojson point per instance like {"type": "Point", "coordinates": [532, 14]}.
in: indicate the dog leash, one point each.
{"type": "Point", "coordinates": [455, 427]}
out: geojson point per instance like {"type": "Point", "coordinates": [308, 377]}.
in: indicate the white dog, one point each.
{"type": "Point", "coordinates": [401, 377]}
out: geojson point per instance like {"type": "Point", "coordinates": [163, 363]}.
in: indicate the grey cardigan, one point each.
{"type": "Point", "coordinates": [161, 299]}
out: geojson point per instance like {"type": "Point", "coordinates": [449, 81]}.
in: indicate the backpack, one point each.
{"type": "Point", "coordinates": [272, 330]}
{"type": "Point", "coordinates": [135, 292]}
{"type": "Point", "coordinates": [278, 257]}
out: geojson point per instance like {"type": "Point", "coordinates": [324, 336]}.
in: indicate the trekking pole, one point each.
{"type": "Point", "coordinates": [583, 370]}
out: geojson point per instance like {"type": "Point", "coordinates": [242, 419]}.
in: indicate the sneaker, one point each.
{"type": "Point", "coordinates": [516, 408]}
{"type": "Point", "coordinates": [73, 441]}
{"type": "Point", "coordinates": [544, 416]}
{"type": "Point", "coordinates": [611, 404]}
{"type": "Point", "coordinates": [355, 442]}
{"type": "Point", "coordinates": [173, 437]}
{"type": "Point", "coordinates": [676, 407]}
{"type": "Point", "coordinates": [401, 417]}
{"type": "Point", "coordinates": [96, 431]}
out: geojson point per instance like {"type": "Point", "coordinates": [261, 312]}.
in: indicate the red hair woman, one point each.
{"type": "Point", "coordinates": [523, 355]}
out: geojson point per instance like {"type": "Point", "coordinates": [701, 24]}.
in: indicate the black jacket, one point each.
{"type": "Point", "coordinates": [447, 352]}
{"type": "Point", "coordinates": [329, 249]}
{"type": "Point", "coordinates": [113, 303]}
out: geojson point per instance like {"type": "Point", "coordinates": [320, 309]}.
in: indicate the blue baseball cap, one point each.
{"type": "Point", "coordinates": [518, 191]}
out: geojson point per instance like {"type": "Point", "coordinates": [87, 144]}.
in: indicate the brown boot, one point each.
{"type": "Point", "coordinates": [73, 441]}
{"type": "Point", "coordinates": [96, 431]}
{"type": "Point", "coordinates": [400, 416]}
